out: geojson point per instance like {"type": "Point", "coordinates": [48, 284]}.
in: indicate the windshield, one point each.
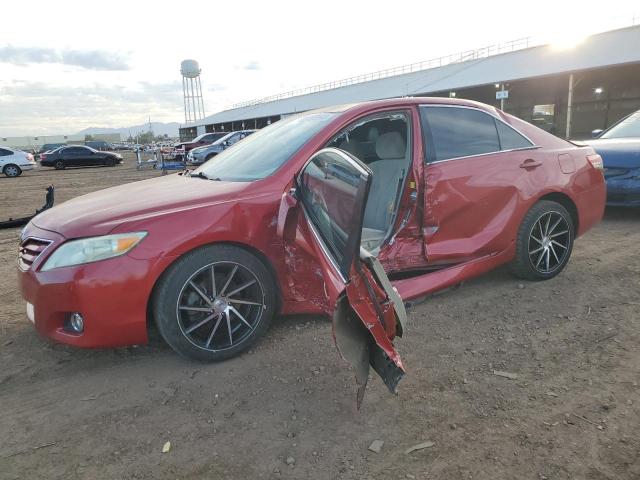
{"type": "Point", "coordinates": [628, 127]}
{"type": "Point", "coordinates": [262, 153]}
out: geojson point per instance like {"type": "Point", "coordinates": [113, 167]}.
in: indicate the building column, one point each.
{"type": "Point", "coordinates": [569, 107]}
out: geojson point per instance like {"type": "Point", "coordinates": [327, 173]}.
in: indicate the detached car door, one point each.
{"type": "Point", "coordinates": [326, 207]}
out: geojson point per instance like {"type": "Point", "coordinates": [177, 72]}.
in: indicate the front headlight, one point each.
{"type": "Point", "coordinates": [87, 250]}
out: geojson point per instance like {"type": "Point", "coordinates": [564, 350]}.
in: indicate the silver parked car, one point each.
{"type": "Point", "coordinates": [202, 154]}
{"type": "Point", "coordinates": [14, 162]}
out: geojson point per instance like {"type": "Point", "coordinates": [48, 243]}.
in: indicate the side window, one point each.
{"type": "Point", "coordinates": [452, 132]}
{"type": "Point", "coordinates": [4, 152]}
{"type": "Point", "coordinates": [509, 138]}
{"type": "Point", "coordinates": [333, 189]}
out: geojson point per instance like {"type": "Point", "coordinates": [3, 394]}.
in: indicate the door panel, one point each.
{"type": "Point", "coordinates": [472, 205]}
{"type": "Point", "coordinates": [327, 207]}
{"type": "Point", "coordinates": [478, 173]}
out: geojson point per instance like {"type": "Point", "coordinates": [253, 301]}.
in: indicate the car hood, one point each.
{"type": "Point", "coordinates": [617, 152]}
{"type": "Point", "coordinates": [98, 213]}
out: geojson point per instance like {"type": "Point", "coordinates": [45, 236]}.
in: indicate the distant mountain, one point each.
{"type": "Point", "coordinates": [159, 128]}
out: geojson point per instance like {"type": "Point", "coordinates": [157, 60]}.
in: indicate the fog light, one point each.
{"type": "Point", "coordinates": [76, 322]}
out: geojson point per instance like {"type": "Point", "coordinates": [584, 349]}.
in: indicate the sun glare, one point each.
{"type": "Point", "coordinates": [566, 40]}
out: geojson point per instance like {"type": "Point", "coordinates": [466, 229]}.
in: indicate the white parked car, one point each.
{"type": "Point", "coordinates": [14, 162]}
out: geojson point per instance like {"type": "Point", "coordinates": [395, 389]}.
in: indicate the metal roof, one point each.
{"type": "Point", "coordinates": [610, 48]}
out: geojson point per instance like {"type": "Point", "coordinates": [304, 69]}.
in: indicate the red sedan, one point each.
{"type": "Point", "coordinates": [348, 211]}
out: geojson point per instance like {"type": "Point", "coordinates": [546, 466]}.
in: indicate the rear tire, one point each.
{"type": "Point", "coordinates": [59, 165]}
{"type": "Point", "coordinates": [12, 170]}
{"type": "Point", "coordinates": [213, 321]}
{"type": "Point", "coordinates": [544, 242]}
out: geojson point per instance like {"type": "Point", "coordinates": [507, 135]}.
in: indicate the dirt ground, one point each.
{"type": "Point", "coordinates": [287, 408]}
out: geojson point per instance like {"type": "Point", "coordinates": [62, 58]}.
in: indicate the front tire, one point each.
{"type": "Point", "coordinates": [544, 242]}
{"type": "Point", "coordinates": [12, 170]}
{"type": "Point", "coordinates": [214, 303]}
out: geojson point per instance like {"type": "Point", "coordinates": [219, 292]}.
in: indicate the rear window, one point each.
{"type": "Point", "coordinates": [509, 138]}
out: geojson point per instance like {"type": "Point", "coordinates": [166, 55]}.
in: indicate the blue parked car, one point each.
{"type": "Point", "coordinates": [619, 147]}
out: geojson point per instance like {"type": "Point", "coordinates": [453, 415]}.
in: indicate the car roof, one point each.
{"type": "Point", "coordinates": [404, 101]}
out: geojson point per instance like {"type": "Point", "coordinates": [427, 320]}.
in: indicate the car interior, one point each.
{"type": "Point", "coordinates": [382, 143]}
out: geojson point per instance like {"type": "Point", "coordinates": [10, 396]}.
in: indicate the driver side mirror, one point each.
{"type": "Point", "coordinates": [596, 133]}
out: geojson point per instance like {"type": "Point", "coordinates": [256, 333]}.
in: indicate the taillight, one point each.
{"type": "Point", "coordinates": [43, 157]}
{"type": "Point", "coordinates": [596, 161]}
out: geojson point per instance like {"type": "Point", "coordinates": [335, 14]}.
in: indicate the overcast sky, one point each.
{"type": "Point", "coordinates": [67, 65]}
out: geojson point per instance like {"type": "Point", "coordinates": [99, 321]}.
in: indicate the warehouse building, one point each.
{"type": "Point", "coordinates": [568, 91]}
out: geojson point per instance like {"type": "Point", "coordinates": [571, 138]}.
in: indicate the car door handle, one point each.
{"type": "Point", "coordinates": [530, 163]}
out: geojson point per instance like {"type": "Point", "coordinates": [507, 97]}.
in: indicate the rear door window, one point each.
{"type": "Point", "coordinates": [454, 132]}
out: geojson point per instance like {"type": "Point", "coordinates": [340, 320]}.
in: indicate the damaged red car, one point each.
{"type": "Point", "coordinates": [350, 211]}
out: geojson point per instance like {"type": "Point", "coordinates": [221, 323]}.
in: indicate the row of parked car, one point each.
{"type": "Point", "coordinates": [206, 146]}
{"type": "Point", "coordinates": [14, 162]}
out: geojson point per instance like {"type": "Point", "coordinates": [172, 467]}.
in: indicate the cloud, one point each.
{"type": "Point", "coordinates": [88, 59]}
{"type": "Point", "coordinates": [252, 65]}
{"type": "Point", "coordinates": [40, 108]}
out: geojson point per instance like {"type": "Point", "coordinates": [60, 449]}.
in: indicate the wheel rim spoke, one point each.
{"type": "Point", "coordinates": [226, 313]}
{"type": "Point", "coordinates": [564, 232]}
{"type": "Point", "coordinates": [536, 250]}
{"type": "Point", "coordinates": [194, 309]}
{"type": "Point", "coordinates": [539, 259]}
{"type": "Point", "coordinates": [200, 323]}
{"type": "Point", "coordinates": [200, 292]}
{"type": "Point", "coordinates": [245, 302]}
{"type": "Point", "coordinates": [554, 253]}
{"type": "Point", "coordinates": [558, 244]}
{"type": "Point", "coordinates": [213, 281]}
{"type": "Point", "coordinates": [244, 320]}
{"type": "Point", "coordinates": [240, 288]}
{"type": "Point", "coordinates": [546, 228]}
{"type": "Point", "coordinates": [547, 259]}
{"type": "Point", "coordinates": [536, 239]}
{"type": "Point", "coordinates": [233, 272]}
{"type": "Point", "coordinates": [213, 331]}
{"type": "Point", "coordinates": [555, 225]}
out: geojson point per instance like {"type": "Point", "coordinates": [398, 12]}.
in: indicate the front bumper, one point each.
{"type": "Point", "coordinates": [112, 295]}
{"type": "Point", "coordinates": [624, 190]}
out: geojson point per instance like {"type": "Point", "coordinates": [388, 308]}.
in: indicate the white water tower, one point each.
{"type": "Point", "coordinates": [192, 91]}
